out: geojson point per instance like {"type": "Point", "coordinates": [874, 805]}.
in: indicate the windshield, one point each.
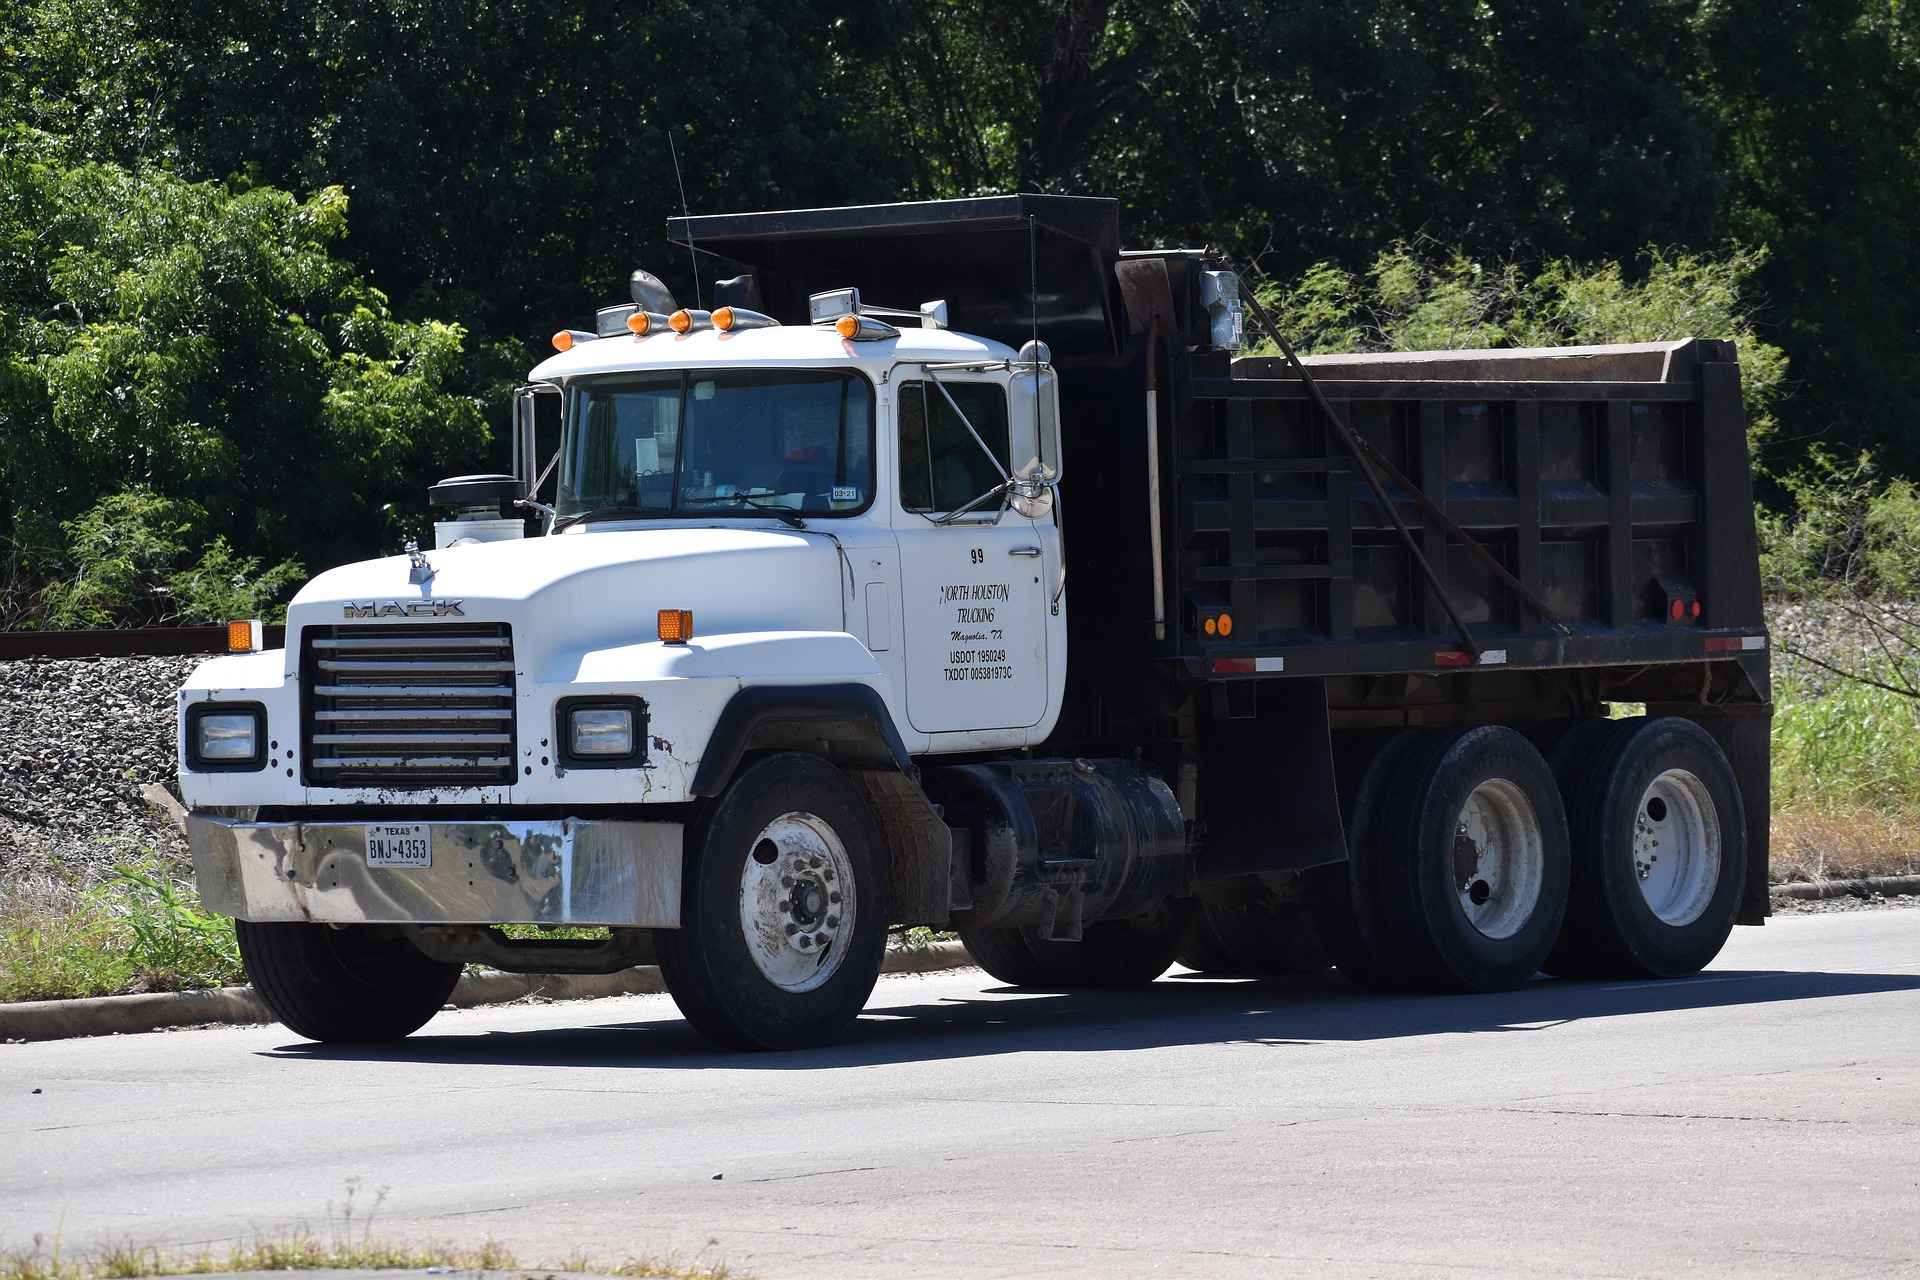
{"type": "Point", "coordinates": [700, 441]}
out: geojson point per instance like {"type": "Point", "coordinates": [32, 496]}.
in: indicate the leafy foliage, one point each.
{"type": "Point", "coordinates": [1419, 297]}
{"type": "Point", "coordinates": [174, 316]}
{"type": "Point", "coordinates": [131, 564]}
{"type": "Point", "coordinates": [198, 349]}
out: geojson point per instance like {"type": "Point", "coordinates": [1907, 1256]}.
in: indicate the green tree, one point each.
{"type": "Point", "coordinates": [204, 342]}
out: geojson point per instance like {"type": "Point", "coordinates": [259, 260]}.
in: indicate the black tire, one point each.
{"type": "Point", "coordinates": [1254, 936]}
{"type": "Point", "coordinates": [1110, 953]}
{"type": "Point", "coordinates": [353, 985]}
{"type": "Point", "coordinates": [1628, 781]}
{"type": "Point", "coordinates": [785, 814]}
{"type": "Point", "coordinates": [1456, 913]}
{"type": "Point", "coordinates": [1340, 896]}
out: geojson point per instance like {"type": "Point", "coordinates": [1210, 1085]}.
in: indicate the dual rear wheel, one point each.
{"type": "Point", "coordinates": [1476, 863]}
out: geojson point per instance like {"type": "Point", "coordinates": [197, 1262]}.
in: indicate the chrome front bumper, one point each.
{"type": "Point", "coordinates": [563, 872]}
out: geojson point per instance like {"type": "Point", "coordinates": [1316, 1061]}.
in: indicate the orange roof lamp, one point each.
{"type": "Point", "coordinates": [855, 320]}
{"type": "Point", "coordinates": [733, 319]}
{"type": "Point", "coordinates": [566, 338]}
{"type": "Point", "coordinates": [688, 320]}
{"type": "Point", "coordinates": [644, 323]}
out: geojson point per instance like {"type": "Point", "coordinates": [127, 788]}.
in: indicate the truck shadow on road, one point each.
{"type": "Point", "coordinates": [904, 1023]}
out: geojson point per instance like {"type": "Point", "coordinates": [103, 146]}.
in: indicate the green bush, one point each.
{"type": "Point", "coordinates": [1424, 298]}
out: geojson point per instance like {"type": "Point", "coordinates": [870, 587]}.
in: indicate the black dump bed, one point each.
{"type": "Point", "coordinates": [1612, 482]}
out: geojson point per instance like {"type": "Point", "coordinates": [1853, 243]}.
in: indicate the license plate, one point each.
{"type": "Point", "coordinates": [404, 844]}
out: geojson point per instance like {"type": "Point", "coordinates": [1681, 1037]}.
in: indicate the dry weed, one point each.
{"type": "Point", "coordinates": [1824, 844]}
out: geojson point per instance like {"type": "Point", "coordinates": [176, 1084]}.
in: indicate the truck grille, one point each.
{"type": "Point", "coordinates": [408, 706]}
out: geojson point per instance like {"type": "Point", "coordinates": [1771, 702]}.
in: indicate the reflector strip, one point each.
{"type": "Point", "coordinates": [1228, 666]}
{"type": "Point", "coordinates": [1735, 644]}
{"type": "Point", "coordinates": [1453, 658]}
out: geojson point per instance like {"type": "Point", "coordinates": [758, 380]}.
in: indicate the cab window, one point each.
{"type": "Point", "coordinates": [942, 466]}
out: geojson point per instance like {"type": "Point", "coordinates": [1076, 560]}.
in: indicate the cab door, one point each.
{"type": "Point", "coordinates": [974, 592]}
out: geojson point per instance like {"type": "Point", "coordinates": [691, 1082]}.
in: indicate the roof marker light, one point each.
{"type": "Point", "coordinates": [688, 320]}
{"type": "Point", "coordinates": [864, 329]}
{"type": "Point", "coordinates": [645, 322]}
{"type": "Point", "coordinates": [729, 319]}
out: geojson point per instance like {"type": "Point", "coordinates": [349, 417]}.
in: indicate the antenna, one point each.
{"type": "Point", "coordinates": [692, 254]}
{"type": "Point", "coordinates": [1033, 280]}
{"type": "Point", "coordinates": [1033, 296]}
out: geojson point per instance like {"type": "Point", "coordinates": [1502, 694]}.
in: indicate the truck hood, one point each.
{"type": "Point", "coordinates": [601, 588]}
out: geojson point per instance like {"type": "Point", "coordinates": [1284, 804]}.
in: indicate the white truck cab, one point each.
{"type": "Point", "coordinates": [761, 536]}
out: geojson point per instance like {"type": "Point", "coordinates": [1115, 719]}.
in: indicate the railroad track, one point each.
{"type": "Point", "coordinates": [125, 642]}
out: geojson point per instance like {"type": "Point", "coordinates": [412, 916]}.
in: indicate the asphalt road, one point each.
{"type": "Point", "coordinates": [1760, 1120]}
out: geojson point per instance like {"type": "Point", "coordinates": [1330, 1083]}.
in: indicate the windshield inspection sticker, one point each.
{"type": "Point", "coordinates": [403, 844]}
{"type": "Point", "coordinates": [845, 493]}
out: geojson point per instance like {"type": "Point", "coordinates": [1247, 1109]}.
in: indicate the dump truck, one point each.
{"type": "Point", "coordinates": [953, 567]}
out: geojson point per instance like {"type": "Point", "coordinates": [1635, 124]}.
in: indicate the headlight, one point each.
{"type": "Point", "coordinates": [603, 731]}
{"type": "Point", "coordinates": [223, 736]}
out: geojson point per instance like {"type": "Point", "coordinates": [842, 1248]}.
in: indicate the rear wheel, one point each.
{"type": "Point", "coordinates": [1659, 843]}
{"type": "Point", "coordinates": [1111, 953]}
{"type": "Point", "coordinates": [1341, 896]}
{"type": "Point", "coordinates": [1470, 862]}
{"type": "Point", "coordinates": [351, 985]}
{"type": "Point", "coordinates": [783, 911]}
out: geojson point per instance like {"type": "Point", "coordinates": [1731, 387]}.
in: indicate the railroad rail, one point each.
{"type": "Point", "coordinates": [124, 642]}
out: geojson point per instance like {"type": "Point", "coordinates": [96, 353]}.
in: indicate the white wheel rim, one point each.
{"type": "Point", "coordinates": [797, 901]}
{"type": "Point", "coordinates": [1499, 859]}
{"type": "Point", "coordinates": [1676, 847]}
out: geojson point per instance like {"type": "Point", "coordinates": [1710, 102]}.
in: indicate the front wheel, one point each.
{"type": "Point", "coordinates": [783, 918]}
{"type": "Point", "coordinates": [351, 985]}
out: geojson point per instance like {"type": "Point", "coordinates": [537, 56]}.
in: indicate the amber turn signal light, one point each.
{"type": "Point", "coordinates": [676, 626]}
{"type": "Point", "coordinates": [245, 637]}
{"type": "Point", "coordinates": [847, 326]}
{"type": "Point", "coordinates": [563, 341]}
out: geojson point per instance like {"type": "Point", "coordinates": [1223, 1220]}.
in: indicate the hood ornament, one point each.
{"type": "Point", "coordinates": [422, 572]}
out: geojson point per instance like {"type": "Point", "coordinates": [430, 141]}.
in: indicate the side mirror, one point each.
{"type": "Point", "coordinates": [1030, 491]}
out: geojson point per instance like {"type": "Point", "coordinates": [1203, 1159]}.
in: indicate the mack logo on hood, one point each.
{"type": "Point", "coordinates": [404, 609]}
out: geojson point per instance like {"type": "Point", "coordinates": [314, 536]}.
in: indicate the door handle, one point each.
{"type": "Point", "coordinates": [1023, 551]}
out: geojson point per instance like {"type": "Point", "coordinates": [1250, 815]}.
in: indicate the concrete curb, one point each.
{"type": "Point", "coordinates": [1891, 886]}
{"type": "Point", "coordinates": [238, 1006]}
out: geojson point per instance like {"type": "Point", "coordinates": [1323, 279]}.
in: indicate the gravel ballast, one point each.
{"type": "Point", "coordinates": [79, 739]}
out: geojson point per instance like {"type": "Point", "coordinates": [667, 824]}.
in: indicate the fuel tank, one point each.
{"type": "Point", "coordinates": [1058, 844]}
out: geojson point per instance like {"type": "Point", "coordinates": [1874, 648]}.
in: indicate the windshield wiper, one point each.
{"type": "Point", "coordinates": [779, 513]}
{"type": "Point", "coordinates": [606, 513]}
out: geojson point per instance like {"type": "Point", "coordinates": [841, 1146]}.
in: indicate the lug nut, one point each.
{"type": "Point", "coordinates": [792, 929]}
{"type": "Point", "coordinates": [806, 940]}
{"type": "Point", "coordinates": [827, 874]}
{"type": "Point", "coordinates": [816, 862]}
{"type": "Point", "coordinates": [833, 922]}
{"type": "Point", "coordinates": [834, 898]}
{"type": "Point", "coordinates": [820, 938]}
{"type": "Point", "coordinates": [786, 882]}
{"type": "Point", "coordinates": [783, 905]}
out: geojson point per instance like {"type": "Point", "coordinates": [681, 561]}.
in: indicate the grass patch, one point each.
{"type": "Point", "coordinates": [1846, 780]}
{"type": "Point", "coordinates": [303, 1251]}
{"type": "Point", "coordinates": [350, 1245]}
{"type": "Point", "coordinates": [143, 930]}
